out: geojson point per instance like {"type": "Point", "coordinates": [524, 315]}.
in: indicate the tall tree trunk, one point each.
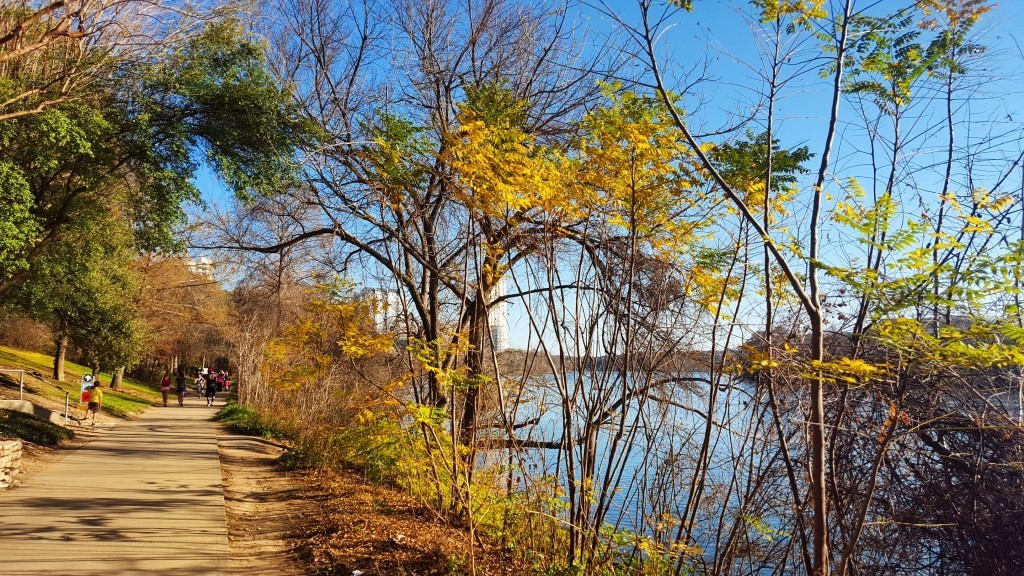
{"type": "Point", "coordinates": [474, 364]}
{"type": "Point", "coordinates": [816, 430]}
{"type": "Point", "coordinates": [58, 356]}
{"type": "Point", "coordinates": [479, 337]}
{"type": "Point", "coordinates": [117, 376]}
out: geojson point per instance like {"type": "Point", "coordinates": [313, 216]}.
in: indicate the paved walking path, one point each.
{"type": "Point", "coordinates": [143, 498]}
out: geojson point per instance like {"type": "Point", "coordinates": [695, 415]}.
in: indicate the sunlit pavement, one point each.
{"type": "Point", "coordinates": [143, 498]}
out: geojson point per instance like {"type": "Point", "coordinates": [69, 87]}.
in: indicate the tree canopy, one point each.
{"type": "Point", "coordinates": [136, 137]}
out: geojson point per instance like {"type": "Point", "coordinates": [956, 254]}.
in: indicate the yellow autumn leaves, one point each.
{"type": "Point", "coordinates": [842, 369]}
{"type": "Point", "coordinates": [640, 176]}
{"type": "Point", "coordinates": [504, 171]}
{"type": "Point", "coordinates": [330, 325]}
{"type": "Point", "coordinates": [626, 171]}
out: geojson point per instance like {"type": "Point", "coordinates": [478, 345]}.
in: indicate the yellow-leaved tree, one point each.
{"type": "Point", "coordinates": [517, 193]}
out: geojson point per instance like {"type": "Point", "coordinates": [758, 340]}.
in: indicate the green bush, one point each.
{"type": "Point", "coordinates": [31, 429]}
{"type": "Point", "coordinates": [242, 420]}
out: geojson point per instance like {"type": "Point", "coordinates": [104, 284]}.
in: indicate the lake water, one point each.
{"type": "Point", "coordinates": [652, 455]}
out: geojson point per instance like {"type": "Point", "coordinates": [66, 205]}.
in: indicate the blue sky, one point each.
{"type": "Point", "coordinates": [720, 32]}
{"type": "Point", "coordinates": [719, 29]}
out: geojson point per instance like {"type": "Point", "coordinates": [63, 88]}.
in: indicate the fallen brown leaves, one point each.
{"type": "Point", "coordinates": [336, 523]}
{"type": "Point", "coordinates": [373, 530]}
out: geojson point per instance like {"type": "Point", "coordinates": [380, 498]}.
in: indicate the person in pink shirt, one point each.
{"type": "Point", "coordinates": [165, 386]}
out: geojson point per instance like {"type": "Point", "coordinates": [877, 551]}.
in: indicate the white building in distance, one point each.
{"type": "Point", "coordinates": [201, 267]}
{"type": "Point", "coordinates": [497, 317]}
{"type": "Point", "coordinates": [389, 313]}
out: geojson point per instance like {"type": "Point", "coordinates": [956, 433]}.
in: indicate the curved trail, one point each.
{"type": "Point", "coordinates": [144, 498]}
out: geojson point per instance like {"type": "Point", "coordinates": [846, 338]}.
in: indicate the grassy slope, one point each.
{"type": "Point", "coordinates": [18, 425]}
{"type": "Point", "coordinates": [132, 398]}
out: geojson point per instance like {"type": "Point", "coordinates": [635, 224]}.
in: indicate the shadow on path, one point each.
{"type": "Point", "coordinates": [144, 498]}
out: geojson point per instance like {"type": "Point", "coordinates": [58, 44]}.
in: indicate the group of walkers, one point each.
{"type": "Point", "coordinates": [207, 384]}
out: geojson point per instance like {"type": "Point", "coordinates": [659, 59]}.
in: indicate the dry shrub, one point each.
{"type": "Point", "coordinates": [25, 333]}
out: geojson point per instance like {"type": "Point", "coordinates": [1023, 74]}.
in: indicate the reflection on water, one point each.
{"type": "Point", "coordinates": [646, 452]}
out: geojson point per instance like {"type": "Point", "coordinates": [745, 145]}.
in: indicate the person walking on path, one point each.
{"type": "Point", "coordinates": [180, 383]}
{"type": "Point", "coordinates": [211, 391]}
{"type": "Point", "coordinates": [95, 400]}
{"type": "Point", "coordinates": [165, 387]}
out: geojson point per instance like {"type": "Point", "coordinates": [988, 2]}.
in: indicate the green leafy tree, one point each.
{"type": "Point", "coordinates": [85, 289]}
{"type": "Point", "coordinates": [143, 132]}
{"type": "Point", "coordinates": [17, 225]}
